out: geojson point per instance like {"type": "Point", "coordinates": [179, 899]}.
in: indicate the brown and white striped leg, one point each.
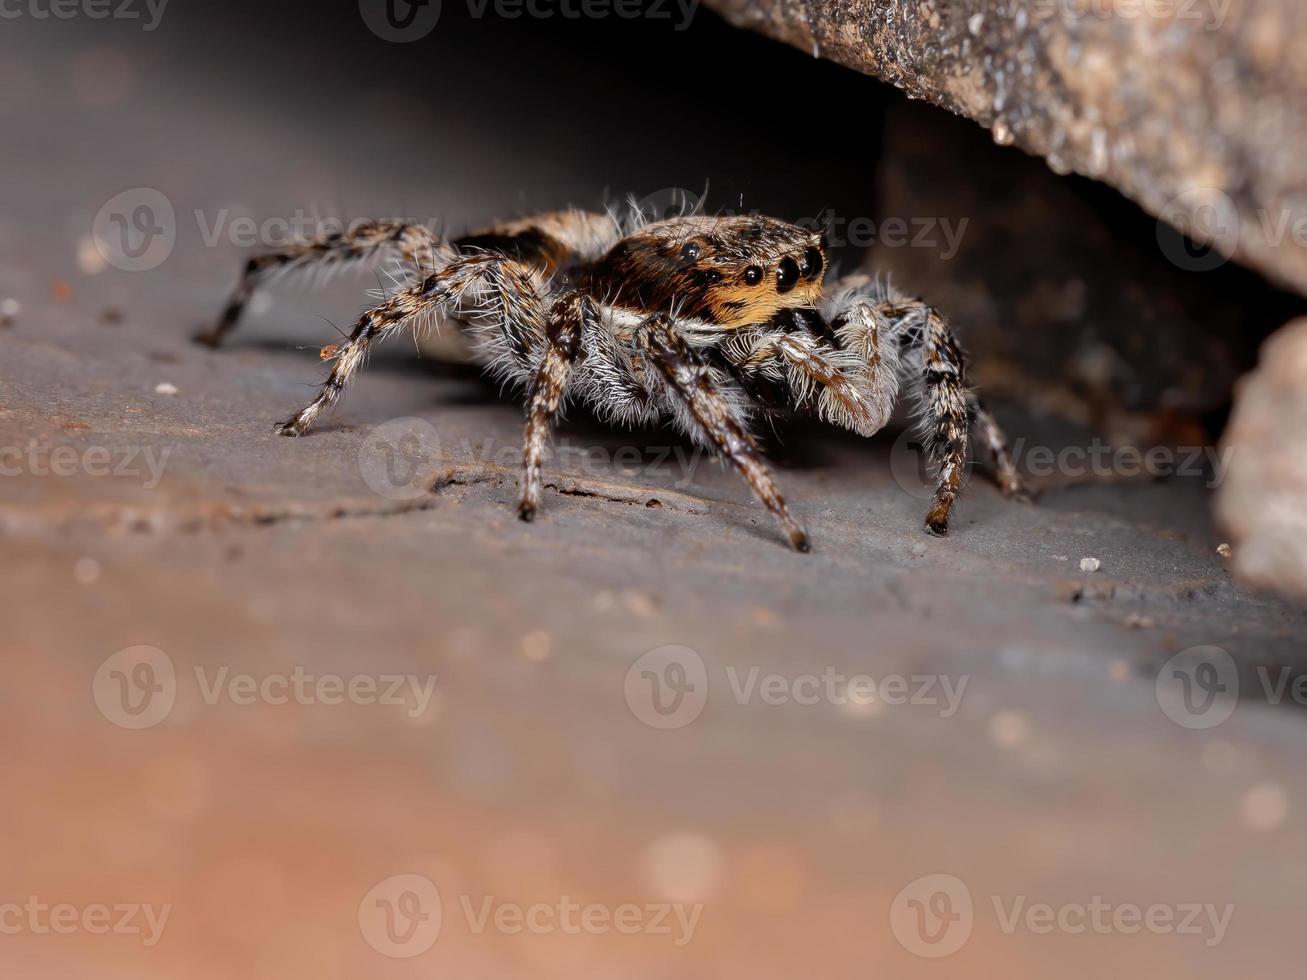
{"type": "Point", "coordinates": [689, 378]}
{"type": "Point", "coordinates": [943, 397]}
{"type": "Point", "coordinates": [1005, 471]}
{"type": "Point", "coordinates": [361, 243]}
{"type": "Point", "coordinates": [498, 288]}
{"type": "Point", "coordinates": [570, 317]}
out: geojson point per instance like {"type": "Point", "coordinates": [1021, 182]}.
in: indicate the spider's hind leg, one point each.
{"type": "Point", "coordinates": [1005, 472]}
{"type": "Point", "coordinates": [361, 243]}
{"type": "Point", "coordinates": [488, 287]}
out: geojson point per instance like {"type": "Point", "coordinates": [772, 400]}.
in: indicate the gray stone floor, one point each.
{"type": "Point", "coordinates": [1057, 777]}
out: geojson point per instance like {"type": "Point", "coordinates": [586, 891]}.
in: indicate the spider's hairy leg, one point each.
{"type": "Point", "coordinates": [360, 243]}
{"type": "Point", "coordinates": [1005, 471]}
{"type": "Point", "coordinates": [570, 316]}
{"type": "Point", "coordinates": [689, 379]}
{"type": "Point", "coordinates": [896, 337]}
{"type": "Point", "coordinates": [943, 400]}
{"type": "Point", "coordinates": [500, 287]}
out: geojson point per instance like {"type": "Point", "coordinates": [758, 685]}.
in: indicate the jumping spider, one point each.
{"type": "Point", "coordinates": [705, 320]}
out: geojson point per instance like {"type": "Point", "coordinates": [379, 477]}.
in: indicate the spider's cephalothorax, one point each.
{"type": "Point", "coordinates": [727, 272]}
{"type": "Point", "coordinates": [704, 320]}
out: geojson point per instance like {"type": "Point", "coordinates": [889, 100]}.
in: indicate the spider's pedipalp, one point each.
{"type": "Point", "coordinates": [362, 243]}
{"type": "Point", "coordinates": [688, 378]}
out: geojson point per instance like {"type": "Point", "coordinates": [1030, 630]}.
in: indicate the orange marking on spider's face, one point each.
{"type": "Point", "coordinates": [732, 272]}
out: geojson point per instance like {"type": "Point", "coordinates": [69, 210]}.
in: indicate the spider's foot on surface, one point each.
{"type": "Point", "coordinates": [1017, 491]}
{"type": "Point", "coordinates": [210, 337]}
{"type": "Point", "coordinates": [937, 519]}
{"type": "Point", "coordinates": [799, 541]}
{"type": "Point", "coordinates": [526, 512]}
{"type": "Point", "coordinates": [291, 427]}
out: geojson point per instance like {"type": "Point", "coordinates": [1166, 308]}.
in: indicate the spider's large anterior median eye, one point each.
{"type": "Point", "coordinates": [691, 252]}
{"type": "Point", "coordinates": [787, 274]}
{"type": "Point", "coordinates": [812, 263]}
{"type": "Point", "coordinates": [752, 275]}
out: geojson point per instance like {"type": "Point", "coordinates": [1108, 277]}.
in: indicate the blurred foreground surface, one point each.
{"type": "Point", "coordinates": [723, 812]}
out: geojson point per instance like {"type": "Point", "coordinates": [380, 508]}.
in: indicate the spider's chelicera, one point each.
{"type": "Point", "coordinates": [708, 321]}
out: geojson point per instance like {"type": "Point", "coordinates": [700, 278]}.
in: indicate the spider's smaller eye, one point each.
{"type": "Point", "coordinates": [787, 274]}
{"type": "Point", "coordinates": [691, 251]}
{"type": "Point", "coordinates": [752, 275]}
{"type": "Point", "coordinates": [812, 263]}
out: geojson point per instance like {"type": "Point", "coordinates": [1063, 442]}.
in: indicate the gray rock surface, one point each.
{"type": "Point", "coordinates": [1059, 306]}
{"type": "Point", "coordinates": [1196, 109]}
{"type": "Point", "coordinates": [1263, 501]}
{"type": "Point", "coordinates": [533, 773]}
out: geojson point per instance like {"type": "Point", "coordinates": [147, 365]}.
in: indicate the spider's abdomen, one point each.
{"type": "Point", "coordinates": [553, 242]}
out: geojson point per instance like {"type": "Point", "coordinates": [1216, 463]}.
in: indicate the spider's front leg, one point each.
{"type": "Point", "coordinates": [570, 317]}
{"type": "Point", "coordinates": [361, 243]}
{"type": "Point", "coordinates": [689, 380]}
{"type": "Point", "coordinates": [915, 340]}
{"type": "Point", "coordinates": [499, 290]}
